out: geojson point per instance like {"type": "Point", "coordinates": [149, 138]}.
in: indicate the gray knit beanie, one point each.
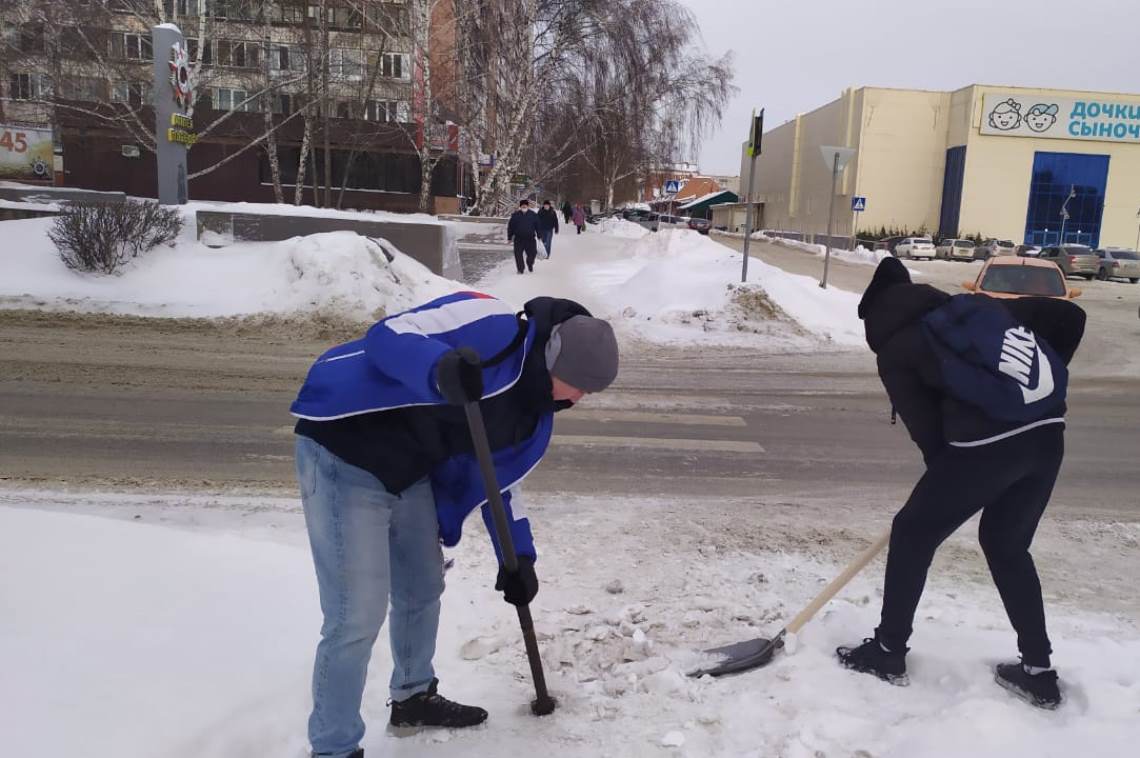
{"type": "Point", "coordinates": [583, 352]}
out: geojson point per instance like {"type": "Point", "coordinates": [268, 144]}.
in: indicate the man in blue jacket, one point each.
{"type": "Point", "coordinates": [387, 473]}
{"type": "Point", "coordinates": [980, 385]}
{"type": "Point", "coordinates": [523, 230]}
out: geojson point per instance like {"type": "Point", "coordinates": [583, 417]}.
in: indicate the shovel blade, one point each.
{"type": "Point", "coordinates": [740, 656]}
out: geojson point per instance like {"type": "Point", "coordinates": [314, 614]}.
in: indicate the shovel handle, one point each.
{"type": "Point", "coordinates": [838, 583]}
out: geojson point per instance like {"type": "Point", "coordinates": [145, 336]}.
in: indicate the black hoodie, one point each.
{"type": "Point", "coordinates": [402, 446]}
{"type": "Point", "coordinates": [892, 310]}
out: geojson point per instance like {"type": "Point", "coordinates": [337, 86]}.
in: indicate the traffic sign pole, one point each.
{"type": "Point", "coordinates": [753, 150]}
{"type": "Point", "coordinates": [836, 158]}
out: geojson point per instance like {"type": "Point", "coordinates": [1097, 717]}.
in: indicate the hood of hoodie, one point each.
{"type": "Point", "coordinates": [897, 307]}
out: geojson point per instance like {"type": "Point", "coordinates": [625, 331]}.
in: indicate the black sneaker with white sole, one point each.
{"type": "Point", "coordinates": [432, 709]}
{"type": "Point", "coordinates": [1040, 689]}
{"type": "Point", "coordinates": [871, 658]}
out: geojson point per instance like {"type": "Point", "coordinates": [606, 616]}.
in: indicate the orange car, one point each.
{"type": "Point", "coordinates": [1010, 277]}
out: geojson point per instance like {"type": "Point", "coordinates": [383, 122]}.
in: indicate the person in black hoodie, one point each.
{"type": "Point", "coordinates": [980, 385]}
{"type": "Point", "coordinates": [522, 229]}
{"type": "Point", "coordinates": [547, 226]}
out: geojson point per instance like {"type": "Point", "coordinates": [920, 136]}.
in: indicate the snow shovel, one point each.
{"type": "Point", "coordinates": [750, 654]}
{"type": "Point", "coordinates": [543, 703]}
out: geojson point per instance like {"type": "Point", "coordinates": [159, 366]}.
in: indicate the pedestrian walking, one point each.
{"type": "Point", "coordinates": [387, 472]}
{"type": "Point", "coordinates": [579, 217]}
{"type": "Point", "coordinates": [567, 211]}
{"type": "Point", "coordinates": [522, 230]}
{"type": "Point", "coordinates": [547, 226]}
{"type": "Point", "coordinates": [980, 385]}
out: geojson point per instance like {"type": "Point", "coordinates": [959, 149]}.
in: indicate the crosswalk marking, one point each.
{"type": "Point", "coordinates": [658, 443]}
{"type": "Point", "coordinates": [650, 417]}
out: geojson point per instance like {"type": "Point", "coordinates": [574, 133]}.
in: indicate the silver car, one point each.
{"type": "Point", "coordinates": [1074, 260]}
{"type": "Point", "coordinates": [992, 248]}
{"type": "Point", "coordinates": [1118, 264]}
{"type": "Point", "coordinates": [956, 250]}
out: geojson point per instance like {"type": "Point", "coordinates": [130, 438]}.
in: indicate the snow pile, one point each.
{"type": "Point", "coordinates": [222, 622]}
{"type": "Point", "coordinates": [676, 287]}
{"type": "Point", "coordinates": [619, 227]}
{"type": "Point", "coordinates": [337, 274]}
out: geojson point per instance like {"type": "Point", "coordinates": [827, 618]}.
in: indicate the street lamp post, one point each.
{"type": "Point", "coordinates": [1137, 230]}
{"type": "Point", "coordinates": [1065, 210]}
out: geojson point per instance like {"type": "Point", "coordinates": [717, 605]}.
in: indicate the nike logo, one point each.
{"type": "Point", "coordinates": [1017, 353]}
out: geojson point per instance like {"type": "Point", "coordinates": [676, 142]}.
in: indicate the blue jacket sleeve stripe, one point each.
{"type": "Point", "coordinates": [521, 535]}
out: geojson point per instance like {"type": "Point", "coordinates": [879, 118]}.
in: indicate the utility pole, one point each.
{"type": "Point", "coordinates": [754, 138]}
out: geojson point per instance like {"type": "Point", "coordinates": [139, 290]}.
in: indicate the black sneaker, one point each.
{"type": "Point", "coordinates": [432, 709]}
{"type": "Point", "coordinates": [870, 658]}
{"type": "Point", "coordinates": [1039, 689]}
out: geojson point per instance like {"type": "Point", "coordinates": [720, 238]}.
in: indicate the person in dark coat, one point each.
{"type": "Point", "coordinates": [567, 211]}
{"type": "Point", "coordinates": [522, 230]}
{"type": "Point", "coordinates": [388, 475]}
{"type": "Point", "coordinates": [547, 226]}
{"type": "Point", "coordinates": [980, 385]}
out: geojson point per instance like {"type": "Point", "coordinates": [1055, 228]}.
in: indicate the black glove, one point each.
{"type": "Point", "coordinates": [519, 587]}
{"type": "Point", "coordinates": [459, 376]}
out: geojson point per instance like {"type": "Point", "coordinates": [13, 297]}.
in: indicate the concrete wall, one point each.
{"type": "Point", "coordinates": [433, 245]}
{"type": "Point", "coordinates": [902, 158]}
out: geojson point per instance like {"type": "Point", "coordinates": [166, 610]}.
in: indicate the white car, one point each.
{"type": "Point", "coordinates": [956, 250]}
{"type": "Point", "coordinates": [916, 247]}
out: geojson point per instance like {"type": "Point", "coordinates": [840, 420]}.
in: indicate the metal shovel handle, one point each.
{"type": "Point", "coordinates": [543, 703]}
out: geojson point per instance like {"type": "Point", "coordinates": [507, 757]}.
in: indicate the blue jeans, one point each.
{"type": "Point", "coordinates": [547, 240]}
{"type": "Point", "coordinates": [368, 544]}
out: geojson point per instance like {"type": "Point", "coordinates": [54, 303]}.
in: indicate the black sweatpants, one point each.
{"type": "Point", "coordinates": [1010, 482]}
{"type": "Point", "coordinates": [528, 246]}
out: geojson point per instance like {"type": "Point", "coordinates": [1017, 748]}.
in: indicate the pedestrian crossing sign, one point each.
{"type": "Point", "coordinates": [858, 204]}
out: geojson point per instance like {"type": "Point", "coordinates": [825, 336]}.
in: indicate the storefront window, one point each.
{"type": "Point", "coordinates": [1056, 176]}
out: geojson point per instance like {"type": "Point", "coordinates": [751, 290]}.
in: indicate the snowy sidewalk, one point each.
{"type": "Point", "coordinates": [125, 638]}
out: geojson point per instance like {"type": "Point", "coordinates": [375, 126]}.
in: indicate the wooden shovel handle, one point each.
{"type": "Point", "coordinates": [838, 583]}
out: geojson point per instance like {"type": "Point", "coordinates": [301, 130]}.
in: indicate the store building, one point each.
{"type": "Point", "coordinates": [1012, 163]}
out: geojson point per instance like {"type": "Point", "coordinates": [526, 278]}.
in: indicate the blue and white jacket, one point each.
{"type": "Point", "coordinates": [393, 367]}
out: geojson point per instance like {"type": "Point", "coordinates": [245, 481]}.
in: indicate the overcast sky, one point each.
{"type": "Point", "coordinates": [795, 55]}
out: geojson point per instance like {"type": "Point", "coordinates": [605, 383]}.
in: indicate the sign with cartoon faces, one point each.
{"type": "Point", "coordinates": [1099, 119]}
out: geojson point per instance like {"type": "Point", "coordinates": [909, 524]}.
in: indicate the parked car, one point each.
{"type": "Point", "coordinates": [1118, 264]}
{"type": "Point", "coordinates": [1074, 260]}
{"type": "Point", "coordinates": [956, 250]}
{"type": "Point", "coordinates": [1012, 277]}
{"type": "Point", "coordinates": [701, 225]}
{"type": "Point", "coordinates": [672, 222]}
{"type": "Point", "coordinates": [916, 247]}
{"type": "Point", "coordinates": [1028, 251]}
{"type": "Point", "coordinates": [992, 248]}
{"type": "Point", "coordinates": [647, 219]}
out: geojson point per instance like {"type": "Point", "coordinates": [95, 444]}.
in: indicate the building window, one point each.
{"type": "Point", "coordinates": [345, 64]}
{"type": "Point", "coordinates": [238, 54]}
{"type": "Point", "coordinates": [132, 47]}
{"type": "Point", "coordinates": [952, 191]}
{"type": "Point", "coordinates": [282, 104]}
{"type": "Point", "coordinates": [394, 66]}
{"type": "Point", "coordinates": [225, 99]}
{"type": "Point", "coordinates": [134, 94]}
{"type": "Point", "coordinates": [389, 111]}
{"type": "Point", "coordinates": [30, 38]}
{"type": "Point", "coordinates": [29, 87]}
{"type": "Point", "coordinates": [1071, 181]}
{"type": "Point", "coordinates": [281, 58]}
{"type": "Point", "coordinates": [81, 88]}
